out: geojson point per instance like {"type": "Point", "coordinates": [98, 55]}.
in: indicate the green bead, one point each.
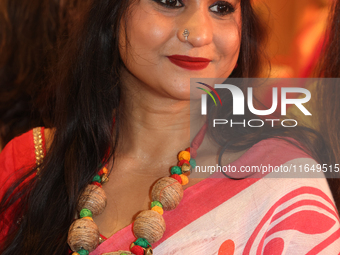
{"type": "Point", "coordinates": [85, 213]}
{"type": "Point", "coordinates": [83, 252]}
{"type": "Point", "coordinates": [156, 203]}
{"type": "Point", "coordinates": [142, 242]}
{"type": "Point", "coordinates": [97, 178]}
{"type": "Point", "coordinates": [176, 170]}
{"type": "Point", "coordinates": [192, 163]}
{"type": "Point", "coordinates": [123, 253]}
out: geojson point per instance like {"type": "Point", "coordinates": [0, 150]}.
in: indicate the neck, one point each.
{"type": "Point", "coordinates": [153, 127]}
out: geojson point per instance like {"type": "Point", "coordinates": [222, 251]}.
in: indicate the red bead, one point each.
{"type": "Point", "coordinates": [177, 177]}
{"type": "Point", "coordinates": [97, 184]}
{"type": "Point", "coordinates": [137, 250]}
{"type": "Point", "coordinates": [100, 173]}
{"type": "Point", "coordinates": [188, 149]}
{"type": "Point", "coordinates": [180, 163]}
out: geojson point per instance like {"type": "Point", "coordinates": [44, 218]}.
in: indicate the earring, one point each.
{"type": "Point", "coordinates": [186, 34]}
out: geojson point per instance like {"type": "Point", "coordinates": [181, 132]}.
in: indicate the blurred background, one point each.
{"type": "Point", "coordinates": [296, 33]}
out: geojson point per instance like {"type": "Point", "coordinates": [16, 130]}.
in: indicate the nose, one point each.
{"type": "Point", "coordinates": [196, 28]}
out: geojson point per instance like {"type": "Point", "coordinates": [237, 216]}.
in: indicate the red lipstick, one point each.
{"type": "Point", "coordinates": [189, 63]}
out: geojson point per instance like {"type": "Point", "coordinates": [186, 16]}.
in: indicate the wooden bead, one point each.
{"type": "Point", "coordinates": [168, 191]}
{"type": "Point", "coordinates": [149, 225]}
{"type": "Point", "coordinates": [186, 169]}
{"type": "Point", "coordinates": [118, 253]}
{"type": "Point", "coordinates": [93, 198]}
{"type": "Point", "coordinates": [83, 234]}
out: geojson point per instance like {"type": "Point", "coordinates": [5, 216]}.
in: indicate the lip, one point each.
{"type": "Point", "coordinates": [190, 63]}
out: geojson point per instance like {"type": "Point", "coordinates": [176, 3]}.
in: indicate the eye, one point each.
{"type": "Point", "coordinates": [222, 8]}
{"type": "Point", "coordinates": [170, 3]}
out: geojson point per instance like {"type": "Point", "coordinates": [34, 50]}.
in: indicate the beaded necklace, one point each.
{"type": "Point", "coordinates": [149, 225]}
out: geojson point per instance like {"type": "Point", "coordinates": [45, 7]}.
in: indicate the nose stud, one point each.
{"type": "Point", "coordinates": [186, 34]}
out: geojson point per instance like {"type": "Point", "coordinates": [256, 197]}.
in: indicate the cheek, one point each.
{"type": "Point", "coordinates": [229, 41]}
{"type": "Point", "coordinates": [146, 33]}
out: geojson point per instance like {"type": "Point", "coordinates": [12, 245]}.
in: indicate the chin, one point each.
{"type": "Point", "coordinates": [178, 90]}
{"type": "Point", "coordinates": [185, 96]}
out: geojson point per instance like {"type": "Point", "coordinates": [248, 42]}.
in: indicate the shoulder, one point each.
{"type": "Point", "coordinates": [281, 147]}
{"type": "Point", "coordinates": [294, 209]}
{"type": "Point", "coordinates": [18, 153]}
{"type": "Point", "coordinates": [23, 153]}
{"type": "Point", "coordinates": [291, 200]}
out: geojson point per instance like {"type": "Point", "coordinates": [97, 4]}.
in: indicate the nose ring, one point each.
{"type": "Point", "coordinates": [186, 34]}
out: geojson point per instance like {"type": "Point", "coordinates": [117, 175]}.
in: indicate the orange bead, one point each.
{"type": "Point", "coordinates": [185, 179]}
{"type": "Point", "coordinates": [158, 209]}
{"type": "Point", "coordinates": [89, 218]}
{"type": "Point", "coordinates": [105, 171]}
{"type": "Point", "coordinates": [184, 155]}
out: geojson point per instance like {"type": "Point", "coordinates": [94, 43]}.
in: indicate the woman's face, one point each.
{"type": "Point", "coordinates": [160, 57]}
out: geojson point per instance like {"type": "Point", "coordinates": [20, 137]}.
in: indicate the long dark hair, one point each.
{"type": "Point", "coordinates": [31, 31]}
{"type": "Point", "coordinates": [85, 89]}
{"type": "Point", "coordinates": [323, 145]}
{"type": "Point", "coordinates": [25, 48]}
{"type": "Point", "coordinates": [328, 94]}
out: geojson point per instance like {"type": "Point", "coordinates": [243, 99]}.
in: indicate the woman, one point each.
{"type": "Point", "coordinates": [132, 63]}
